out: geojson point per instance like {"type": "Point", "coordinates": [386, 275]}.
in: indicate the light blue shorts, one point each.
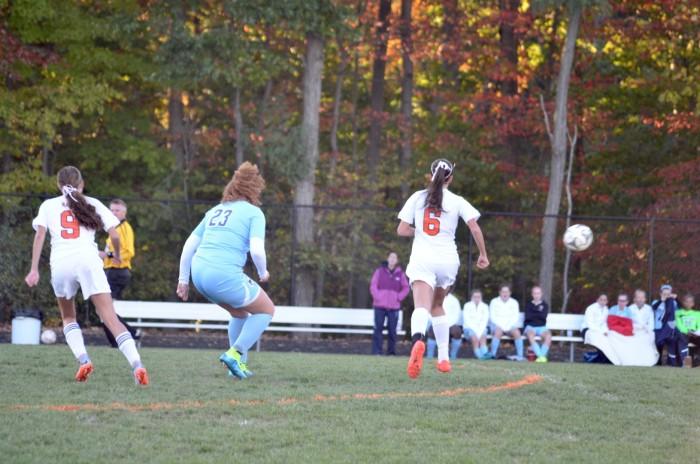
{"type": "Point", "coordinates": [469, 333]}
{"type": "Point", "coordinates": [538, 330]}
{"type": "Point", "coordinates": [224, 285]}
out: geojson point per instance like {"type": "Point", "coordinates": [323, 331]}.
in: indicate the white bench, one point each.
{"type": "Point", "coordinates": [198, 316]}
{"type": "Point", "coordinates": [564, 327]}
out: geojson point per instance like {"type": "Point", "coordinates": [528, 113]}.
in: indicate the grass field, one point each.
{"type": "Point", "coordinates": [338, 408]}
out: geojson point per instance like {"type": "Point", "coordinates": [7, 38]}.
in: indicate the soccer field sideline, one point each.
{"type": "Point", "coordinates": [339, 408]}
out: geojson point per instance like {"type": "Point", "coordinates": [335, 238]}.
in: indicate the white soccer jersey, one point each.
{"type": "Point", "coordinates": [435, 230]}
{"type": "Point", "coordinates": [68, 237]}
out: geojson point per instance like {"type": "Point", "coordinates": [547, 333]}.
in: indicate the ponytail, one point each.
{"type": "Point", "coordinates": [441, 171]}
{"type": "Point", "coordinates": [69, 180]}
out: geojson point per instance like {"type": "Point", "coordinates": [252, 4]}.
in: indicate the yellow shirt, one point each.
{"type": "Point", "coordinates": [127, 251]}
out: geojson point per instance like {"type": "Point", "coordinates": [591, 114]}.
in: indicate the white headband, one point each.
{"type": "Point", "coordinates": [68, 190]}
{"type": "Point", "coordinates": [444, 165]}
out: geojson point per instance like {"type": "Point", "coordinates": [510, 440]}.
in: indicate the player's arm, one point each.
{"type": "Point", "coordinates": [257, 246]}
{"type": "Point", "coordinates": [33, 277]}
{"type": "Point", "coordinates": [483, 261]}
{"type": "Point", "coordinates": [405, 229]}
{"type": "Point", "coordinates": [188, 251]}
{"type": "Point", "coordinates": [116, 244]}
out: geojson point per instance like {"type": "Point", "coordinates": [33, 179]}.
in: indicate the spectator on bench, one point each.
{"type": "Point", "coordinates": [642, 314]}
{"type": "Point", "coordinates": [453, 311]}
{"type": "Point", "coordinates": [595, 321]}
{"type": "Point", "coordinates": [665, 325]}
{"type": "Point", "coordinates": [475, 317]}
{"type": "Point", "coordinates": [688, 325]}
{"type": "Point", "coordinates": [389, 287]}
{"type": "Point", "coordinates": [504, 313]}
{"type": "Point", "coordinates": [536, 312]}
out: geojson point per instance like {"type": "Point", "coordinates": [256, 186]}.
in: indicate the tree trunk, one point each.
{"type": "Point", "coordinates": [176, 127]}
{"type": "Point", "coordinates": [559, 142]}
{"type": "Point", "coordinates": [304, 194]}
{"type": "Point", "coordinates": [238, 125]}
{"type": "Point", "coordinates": [406, 119]}
{"type": "Point", "coordinates": [337, 100]}
{"type": "Point", "coordinates": [376, 115]}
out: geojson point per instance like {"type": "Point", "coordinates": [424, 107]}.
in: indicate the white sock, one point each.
{"type": "Point", "coordinates": [441, 327]}
{"type": "Point", "coordinates": [74, 339]}
{"type": "Point", "coordinates": [419, 321]}
{"type": "Point", "coordinates": [128, 349]}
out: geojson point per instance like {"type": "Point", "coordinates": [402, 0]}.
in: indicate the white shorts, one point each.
{"type": "Point", "coordinates": [85, 272]}
{"type": "Point", "coordinates": [437, 275]}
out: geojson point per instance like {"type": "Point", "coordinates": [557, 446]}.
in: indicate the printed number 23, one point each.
{"type": "Point", "coordinates": [431, 223]}
{"type": "Point", "coordinates": [70, 228]}
{"type": "Point", "coordinates": [216, 215]}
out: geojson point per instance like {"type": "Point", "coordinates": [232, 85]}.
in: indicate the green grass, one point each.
{"type": "Point", "coordinates": [576, 413]}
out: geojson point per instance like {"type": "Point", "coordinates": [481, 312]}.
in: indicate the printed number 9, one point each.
{"type": "Point", "coordinates": [71, 227]}
{"type": "Point", "coordinates": [431, 223]}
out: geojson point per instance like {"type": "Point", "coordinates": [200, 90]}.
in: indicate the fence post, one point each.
{"type": "Point", "coordinates": [650, 255]}
{"type": "Point", "coordinates": [292, 257]}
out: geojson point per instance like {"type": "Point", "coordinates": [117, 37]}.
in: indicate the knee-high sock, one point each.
{"type": "Point", "coordinates": [74, 339]}
{"type": "Point", "coordinates": [128, 348]}
{"type": "Point", "coordinates": [419, 321]}
{"type": "Point", "coordinates": [478, 350]}
{"type": "Point", "coordinates": [441, 327]}
{"type": "Point", "coordinates": [454, 347]}
{"type": "Point", "coordinates": [535, 347]}
{"type": "Point", "coordinates": [430, 349]}
{"type": "Point", "coordinates": [495, 343]}
{"type": "Point", "coordinates": [235, 325]}
{"type": "Point", "coordinates": [519, 347]}
{"type": "Point", "coordinates": [482, 351]}
{"type": "Point", "coordinates": [252, 330]}
{"type": "Point", "coordinates": [544, 350]}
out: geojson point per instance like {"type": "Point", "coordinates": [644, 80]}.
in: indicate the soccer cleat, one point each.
{"type": "Point", "coordinates": [541, 359]}
{"type": "Point", "coordinates": [415, 362]}
{"type": "Point", "coordinates": [140, 376]}
{"type": "Point", "coordinates": [487, 356]}
{"type": "Point", "coordinates": [244, 368]}
{"type": "Point", "coordinates": [444, 366]}
{"type": "Point", "coordinates": [232, 360]}
{"type": "Point", "coordinates": [84, 372]}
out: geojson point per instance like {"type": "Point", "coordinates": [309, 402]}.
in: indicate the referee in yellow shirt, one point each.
{"type": "Point", "coordinates": [119, 275]}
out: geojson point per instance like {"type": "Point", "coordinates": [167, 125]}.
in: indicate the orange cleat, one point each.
{"type": "Point", "coordinates": [444, 366]}
{"type": "Point", "coordinates": [84, 372]}
{"type": "Point", "coordinates": [141, 376]}
{"type": "Point", "coordinates": [415, 362]}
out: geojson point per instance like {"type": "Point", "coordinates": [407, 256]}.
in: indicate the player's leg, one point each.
{"type": "Point", "coordinates": [496, 341]}
{"type": "Point", "coordinates": [441, 327]}
{"type": "Point", "coordinates": [546, 343]}
{"type": "Point", "coordinates": [422, 300]}
{"type": "Point", "coordinates": [531, 335]}
{"type": "Point", "coordinates": [455, 341]}
{"type": "Point", "coordinates": [105, 309]}
{"type": "Point", "coordinates": [519, 345]}
{"type": "Point", "coordinates": [431, 344]}
{"type": "Point", "coordinates": [74, 338]}
{"type": "Point", "coordinates": [483, 347]}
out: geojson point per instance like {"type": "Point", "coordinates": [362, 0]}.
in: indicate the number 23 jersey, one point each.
{"type": "Point", "coordinates": [435, 229]}
{"type": "Point", "coordinates": [68, 237]}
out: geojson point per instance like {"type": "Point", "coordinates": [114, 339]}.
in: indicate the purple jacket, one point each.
{"type": "Point", "coordinates": [388, 288]}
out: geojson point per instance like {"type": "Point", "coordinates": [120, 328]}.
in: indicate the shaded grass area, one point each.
{"type": "Point", "coordinates": [339, 408]}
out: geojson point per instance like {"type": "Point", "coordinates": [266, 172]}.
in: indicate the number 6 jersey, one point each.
{"type": "Point", "coordinates": [435, 229]}
{"type": "Point", "coordinates": [68, 237]}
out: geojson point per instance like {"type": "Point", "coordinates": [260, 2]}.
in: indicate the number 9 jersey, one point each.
{"type": "Point", "coordinates": [434, 258]}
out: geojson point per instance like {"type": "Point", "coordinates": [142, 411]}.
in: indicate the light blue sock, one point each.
{"type": "Point", "coordinates": [483, 350]}
{"type": "Point", "coordinates": [495, 343]}
{"type": "Point", "coordinates": [519, 347]}
{"type": "Point", "coordinates": [235, 325]}
{"type": "Point", "coordinates": [432, 346]}
{"type": "Point", "coordinates": [544, 350]}
{"type": "Point", "coordinates": [478, 351]}
{"type": "Point", "coordinates": [454, 348]}
{"type": "Point", "coordinates": [535, 347]}
{"type": "Point", "coordinates": [253, 328]}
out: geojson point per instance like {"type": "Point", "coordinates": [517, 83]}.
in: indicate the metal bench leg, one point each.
{"type": "Point", "coordinates": [257, 346]}
{"type": "Point", "coordinates": [571, 352]}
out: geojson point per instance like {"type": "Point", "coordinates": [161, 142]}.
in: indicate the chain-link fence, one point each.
{"type": "Point", "coordinates": [350, 242]}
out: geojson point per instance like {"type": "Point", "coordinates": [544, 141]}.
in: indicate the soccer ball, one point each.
{"type": "Point", "coordinates": [48, 337]}
{"type": "Point", "coordinates": [578, 237]}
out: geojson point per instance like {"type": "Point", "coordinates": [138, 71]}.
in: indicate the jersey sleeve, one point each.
{"type": "Point", "coordinates": [257, 225]}
{"type": "Point", "coordinates": [41, 218]}
{"type": "Point", "coordinates": [408, 212]}
{"type": "Point", "coordinates": [108, 218]}
{"type": "Point", "coordinates": [199, 230]}
{"type": "Point", "coordinates": [467, 212]}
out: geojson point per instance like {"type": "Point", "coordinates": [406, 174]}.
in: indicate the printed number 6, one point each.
{"type": "Point", "coordinates": [71, 227]}
{"type": "Point", "coordinates": [431, 223]}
